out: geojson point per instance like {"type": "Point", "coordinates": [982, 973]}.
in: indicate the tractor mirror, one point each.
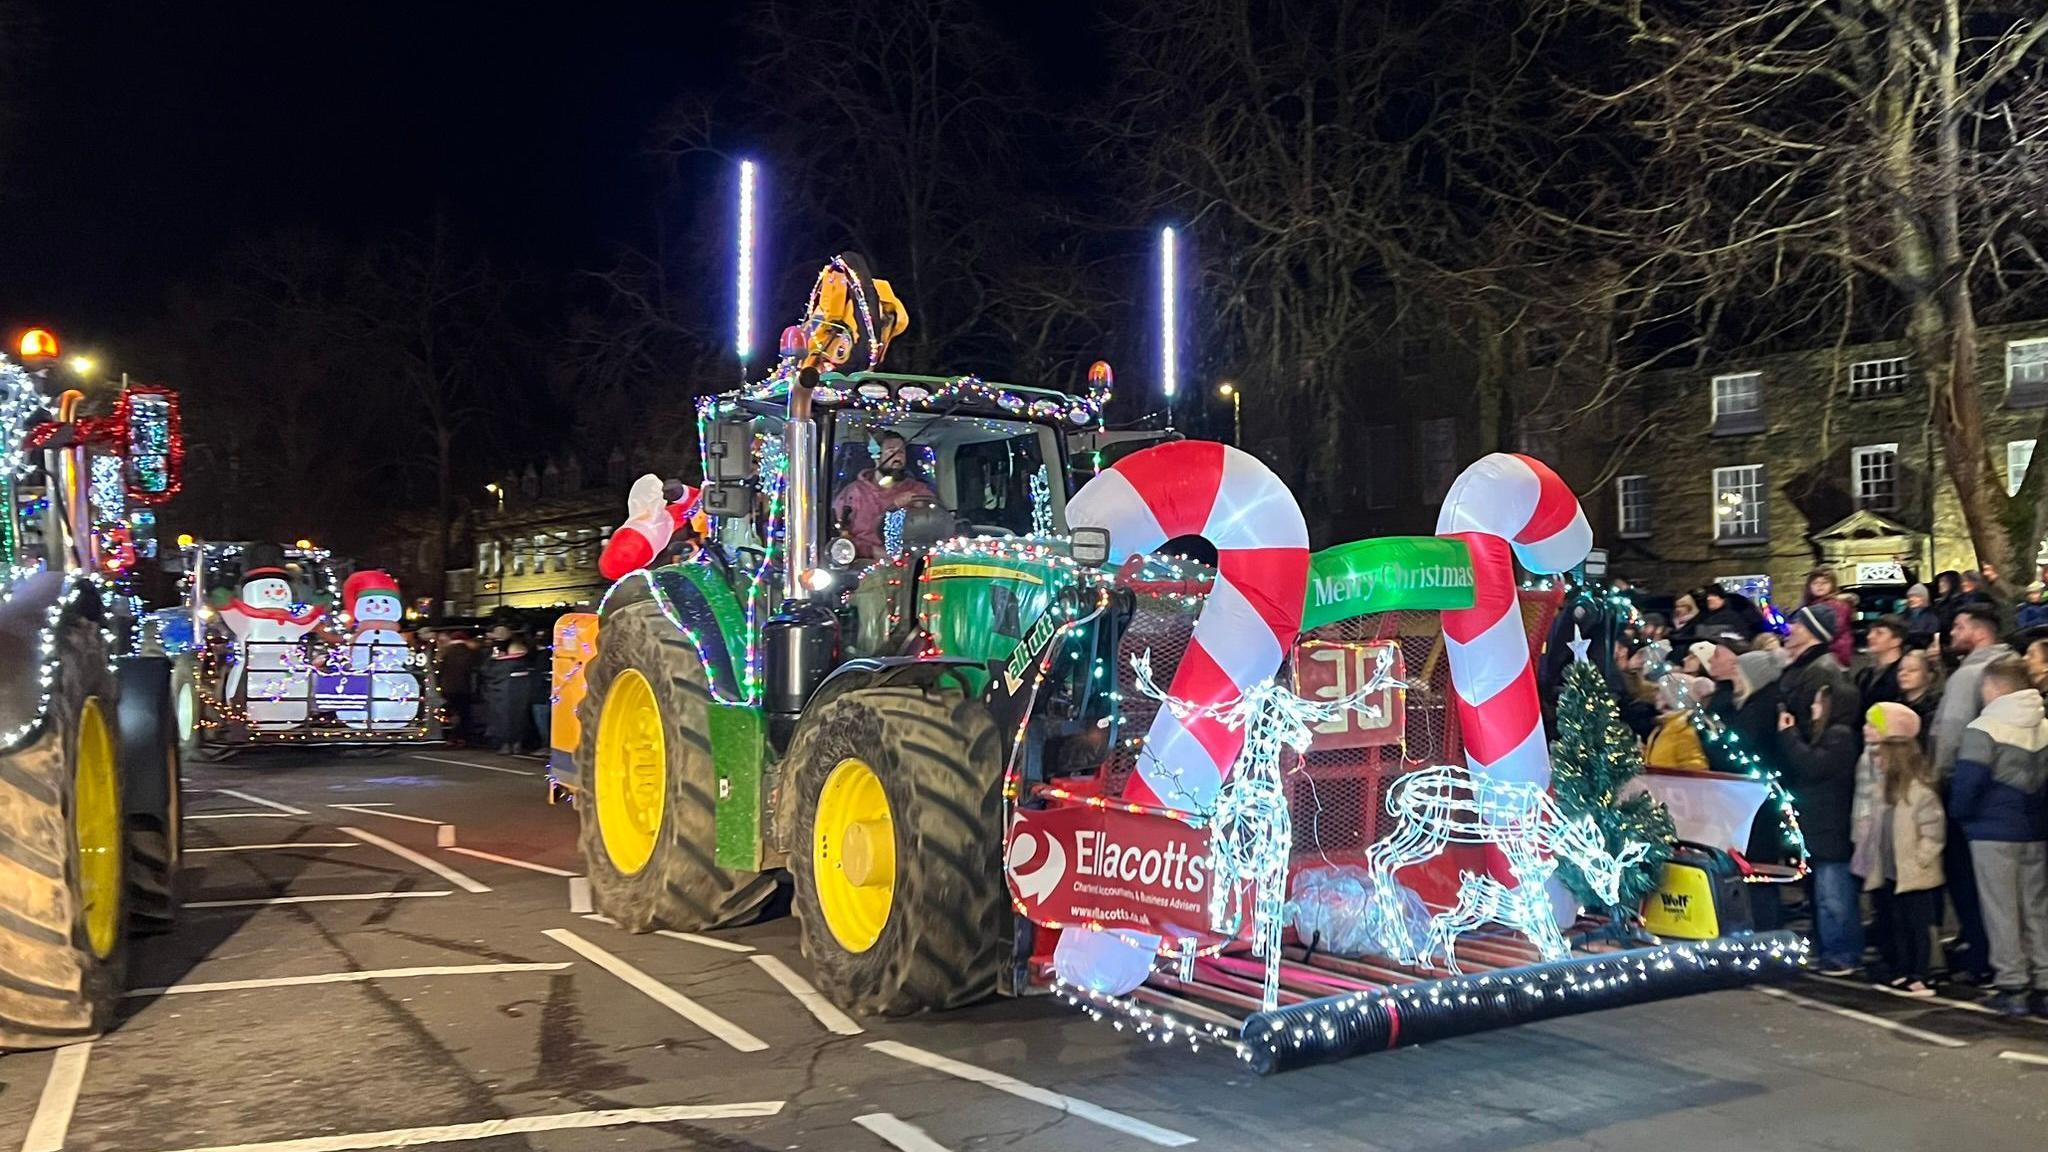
{"type": "Point", "coordinates": [1091, 547]}
{"type": "Point", "coordinates": [729, 453]}
{"type": "Point", "coordinates": [728, 499]}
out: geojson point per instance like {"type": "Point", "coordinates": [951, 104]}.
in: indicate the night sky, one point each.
{"type": "Point", "coordinates": [145, 137]}
{"type": "Point", "coordinates": [140, 140]}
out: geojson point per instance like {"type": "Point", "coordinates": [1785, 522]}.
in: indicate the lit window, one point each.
{"type": "Point", "coordinates": [1874, 476]}
{"type": "Point", "coordinates": [1868, 378]}
{"type": "Point", "coordinates": [2018, 454]}
{"type": "Point", "coordinates": [2026, 373]}
{"type": "Point", "coordinates": [1632, 500]}
{"type": "Point", "coordinates": [1739, 402]}
{"type": "Point", "coordinates": [1739, 504]}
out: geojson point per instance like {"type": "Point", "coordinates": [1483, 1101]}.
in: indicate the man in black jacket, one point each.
{"type": "Point", "coordinates": [1878, 681]}
{"type": "Point", "coordinates": [1814, 669]}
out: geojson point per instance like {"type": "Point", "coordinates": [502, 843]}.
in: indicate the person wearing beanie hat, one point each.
{"type": "Point", "coordinates": [1811, 667]}
{"type": "Point", "coordinates": [1746, 699]}
{"type": "Point", "coordinates": [1923, 621]}
{"type": "Point", "coordinates": [2032, 613]}
{"type": "Point", "coordinates": [1818, 749]}
{"type": "Point", "coordinates": [1900, 831]}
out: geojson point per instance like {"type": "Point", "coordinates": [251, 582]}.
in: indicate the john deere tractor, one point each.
{"type": "Point", "coordinates": [822, 690]}
{"type": "Point", "coordinates": [89, 814]}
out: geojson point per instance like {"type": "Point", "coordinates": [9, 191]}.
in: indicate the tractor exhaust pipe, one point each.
{"type": "Point", "coordinates": [799, 495]}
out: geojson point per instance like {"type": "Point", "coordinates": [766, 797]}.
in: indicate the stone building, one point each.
{"type": "Point", "coordinates": [537, 536]}
{"type": "Point", "coordinates": [1764, 467]}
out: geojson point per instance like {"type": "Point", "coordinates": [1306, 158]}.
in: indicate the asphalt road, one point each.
{"type": "Point", "coordinates": [533, 1027]}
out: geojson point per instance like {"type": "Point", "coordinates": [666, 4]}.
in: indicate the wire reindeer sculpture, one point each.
{"type": "Point", "coordinates": [1251, 830]}
{"type": "Point", "coordinates": [1442, 806]}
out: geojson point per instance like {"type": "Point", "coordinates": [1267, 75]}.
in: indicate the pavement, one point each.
{"type": "Point", "coordinates": [383, 951]}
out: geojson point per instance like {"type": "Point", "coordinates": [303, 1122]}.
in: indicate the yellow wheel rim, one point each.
{"type": "Point", "coordinates": [632, 772]}
{"type": "Point", "coordinates": [853, 854]}
{"type": "Point", "coordinates": [98, 819]}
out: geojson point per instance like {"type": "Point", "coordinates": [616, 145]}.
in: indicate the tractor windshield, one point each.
{"type": "Point", "coordinates": [975, 474]}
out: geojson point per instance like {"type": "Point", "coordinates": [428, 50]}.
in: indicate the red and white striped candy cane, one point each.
{"type": "Point", "coordinates": [1505, 502]}
{"type": "Point", "coordinates": [1249, 621]}
{"type": "Point", "coordinates": [651, 522]}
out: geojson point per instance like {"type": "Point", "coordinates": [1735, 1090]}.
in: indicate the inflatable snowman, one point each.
{"type": "Point", "coordinates": [269, 670]}
{"type": "Point", "coordinates": [379, 649]}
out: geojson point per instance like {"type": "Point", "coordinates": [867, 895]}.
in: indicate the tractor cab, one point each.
{"type": "Point", "coordinates": [883, 476]}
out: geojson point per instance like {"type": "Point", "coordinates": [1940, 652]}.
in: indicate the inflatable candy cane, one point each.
{"type": "Point", "coordinates": [1505, 501]}
{"type": "Point", "coordinates": [1248, 623]}
{"type": "Point", "coordinates": [651, 520]}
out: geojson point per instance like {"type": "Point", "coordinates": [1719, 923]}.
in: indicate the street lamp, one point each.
{"type": "Point", "coordinates": [495, 490]}
{"type": "Point", "coordinates": [84, 365]}
{"type": "Point", "coordinates": [1229, 392]}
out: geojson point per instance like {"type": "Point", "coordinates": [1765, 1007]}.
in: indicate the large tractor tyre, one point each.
{"type": "Point", "coordinates": [896, 848]}
{"type": "Point", "coordinates": [647, 815]}
{"type": "Point", "coordinates": [63, 930]}
{"type": "Point", "coordinates": [152, 789]}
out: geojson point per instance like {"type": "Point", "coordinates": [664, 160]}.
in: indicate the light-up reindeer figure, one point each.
{"type": "Point", "coordinates": [1441, 806]}
{"type": "Point", "coordinates": [1251, 832]}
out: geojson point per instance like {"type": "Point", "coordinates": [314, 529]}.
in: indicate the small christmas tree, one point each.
{"type": "Point", "coordinates": [1593, 756]}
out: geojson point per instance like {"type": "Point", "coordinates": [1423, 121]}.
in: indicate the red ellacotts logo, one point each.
{"type": "Point", "coordinates": [1121, 869]}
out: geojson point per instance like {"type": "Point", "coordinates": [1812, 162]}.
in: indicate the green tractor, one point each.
{"type": "Point", "coordinates": [89, 774]}
{"type": "Point", "coordinates": [905, 671]}
{"type": "Point", "coordinates": [814, 692]}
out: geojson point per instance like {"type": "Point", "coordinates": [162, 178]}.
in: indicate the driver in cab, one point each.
{"type": "Point", "coordinates": [861, 505]}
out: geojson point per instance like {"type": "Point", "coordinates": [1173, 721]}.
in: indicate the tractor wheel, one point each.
{"type": "Point", "coordinates": [150, 768]}
{"type": "Point", "coordinates": [646, 813]}
{"type": "Point", "coordinates": [896, 849]}
{"type": "Point", "coordinates": [63, 932]}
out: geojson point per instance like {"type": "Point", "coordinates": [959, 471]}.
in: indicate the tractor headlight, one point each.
{"type": "Point", "coordinates": [841, 552]}
{"type": "Point", "coordinates": [1090, 547]}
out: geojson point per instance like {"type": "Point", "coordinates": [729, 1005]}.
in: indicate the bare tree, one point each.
{"type": "Point", "coordinates": [429, 326]}
{"type": "Point", "coordinates": [1863, 167]}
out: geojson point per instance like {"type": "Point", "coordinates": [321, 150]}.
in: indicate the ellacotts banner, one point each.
{"type": "Point", "coordinates": [1387, 574]}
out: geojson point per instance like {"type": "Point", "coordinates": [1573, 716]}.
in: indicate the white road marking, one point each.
{"type": "Point", "coordinates": [346, 978]}
{"type": "Point", "coordinates": [512, 1126]}
{"type": "Point", "coordinates": [1867, 1018]}
{"type": "Point", "coordinates": [444, 836]}
{"type": "Point", "coordinates": [235, 815]}
{"type": "Point", "coordinates": [1930, 1001]}
{"type": "Point", "coordinates": [2023, 1058]}
{"type": "Point", "coordinates": [691, 937]}
{"type": "Point", "coordinates": [660, 993]}
{"type": "Point", "coordinates": [827, 1012]}
{"type": "Point", "coordinates": [311, 899]}
{"type": "Point", "coordinates": [474, 764]}
{"type": "Point", "coordinates": [367, 810]}
{"type": "Point", "coordinates": [52, 1120]}
{"type": "Point", "coordinates": [260, 802]}
{"type": "Point", "coordinates": [368, 804]}
{"type": "Point", "coordinates": [529, 865]}
{"type": "Point", "coordinates": [276, 847]}
{"type": "Point", "coordinates": [1094, 1113]}
{"type": "Point", "coordinates": [429, 863]}
{"type": "Point", "coordinates": [579, 895]}
{"type": "Point", "coordinates": [899, 1133]}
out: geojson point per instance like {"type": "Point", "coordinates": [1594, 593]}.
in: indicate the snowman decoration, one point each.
{"type": "Point", "coordinates": [268, 668]}
{"type": "Point", "coordinates": [378, 649]}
